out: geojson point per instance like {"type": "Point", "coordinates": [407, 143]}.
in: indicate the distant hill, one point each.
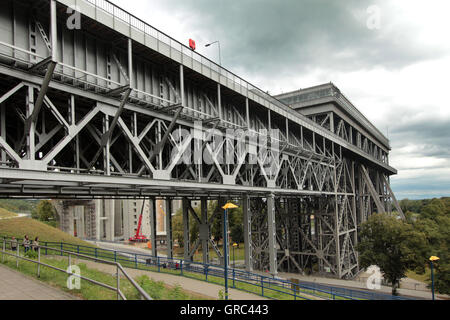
{"type": "Point", "coordinates": [18, 206]}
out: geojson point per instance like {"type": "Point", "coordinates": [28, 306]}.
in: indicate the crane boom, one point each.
{"type": "Point", "coordinates": [138, 237]}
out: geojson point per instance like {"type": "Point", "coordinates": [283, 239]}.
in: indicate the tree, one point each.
{"type": "Point", "coordinates": [177, 227]}
{"type": "Point", "coordinates": [434, 222]}
{"type": "Point", "coordinates": [237, 233]}
{"type": "Point", "coordinates": [216, 227]}
{"type": "Point", "coordinates": [35, 214]}
{"type": "Point", "coordinates": [442, 275]}
{"type": "Point", "coordinates": [194, 226]}
{"type": "Point", "coordinates": [392, 245]}
{"type": "Point", "coordinates": [237, 225]}
{"type": "Point", "coordinates": [44, 211]}
{"type": "Point", "coordinates": [434, 209]}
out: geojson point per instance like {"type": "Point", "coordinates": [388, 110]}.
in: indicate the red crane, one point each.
{"type": "Point", "coordinates": [138, 237]}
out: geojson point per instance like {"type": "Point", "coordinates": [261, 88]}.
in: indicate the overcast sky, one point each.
{"type": "Point", "coordinates": [395, 71]}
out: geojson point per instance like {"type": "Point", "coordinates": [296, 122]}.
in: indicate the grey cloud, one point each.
{"type": "Point", "coordinates": [431, 133]}
{"type": "Point", "coordinates": [419, 188]}
{"type": "Point", "coordinates": [431, 138]}
{"type": "Point", "coordinates": [292, 36]}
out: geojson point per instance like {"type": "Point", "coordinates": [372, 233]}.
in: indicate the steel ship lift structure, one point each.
{"type": "Point", "coordinates": [93, 112]}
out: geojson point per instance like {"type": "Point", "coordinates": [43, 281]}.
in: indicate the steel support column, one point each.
{"type": "Point", "coordinates": [186, 238]}
{"type": "Point", "coordinates": [54, 30]}
{"type": "Point", "coordinates": [204, 230]}
{"type": "Point", "coordinates": [153, 223]}
{"type": "Point", "coordinates": [130, 63]}
{"type": "Point", "coordinates": [3, 131]}
{"type": "Point", "coordinates": [31, 147]}
{"type": "Point", "coordinates": [98, 219]}
{"type": "Point", "coordinates": [169, 233]}
{"type": "Point", "coordinates": [109, 210]}
{"type": "Point", "coordinates": [272, 235]}
{"type": "Point", "coordinates": [182, 92]}
{"type": "Point", "coordinates": [248, 246]}
{"type": "Point", "coordinates": [226, 258]}
{"type": "Point", "coordinates": [219, 101]}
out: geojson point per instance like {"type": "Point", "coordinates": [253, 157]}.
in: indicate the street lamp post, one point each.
{"type": "Point", "coordinates": [220, 54]}
{"type": "Point", "coordinates": [234, 258]}
{"type": "Point", "coordinates": [225, 244]}
{"type": "Point", "coordinates": [432, 259]}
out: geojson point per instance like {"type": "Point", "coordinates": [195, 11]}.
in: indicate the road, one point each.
{"type": "Point", "coordinates": [19, 215]}
{"type": "Point", "coordinates": [122, 247]}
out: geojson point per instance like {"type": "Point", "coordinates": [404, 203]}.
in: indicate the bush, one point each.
{"type": "Point", "coordinates": [44, 211]}
{"type": "Point", "coordinates": [159, 291]}
{"type": "Point", "coordinates": [31, 254]}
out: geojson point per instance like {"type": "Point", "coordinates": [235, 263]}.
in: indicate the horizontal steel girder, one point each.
{"type": "Point", "coordinates": [59, 183]}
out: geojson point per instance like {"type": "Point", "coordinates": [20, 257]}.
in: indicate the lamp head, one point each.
{"type": "Point", "coordinates": [434, 258]}
{"type": "Point", "coordinates": [229, 206]}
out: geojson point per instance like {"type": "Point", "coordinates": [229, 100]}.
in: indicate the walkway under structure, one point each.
{"type": "Point", "coordinates": [112, 107]}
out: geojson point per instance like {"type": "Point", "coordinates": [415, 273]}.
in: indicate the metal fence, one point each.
{"type": "Point", "coordinates": [119, 269]}
{"type": "Point", "coordinates": [266, 286]}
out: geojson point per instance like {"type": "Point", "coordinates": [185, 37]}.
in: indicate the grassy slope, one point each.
{"type": "Point", "coordinates": [6, 214]}
{"type": "Point", "coordinates": [33, 228]}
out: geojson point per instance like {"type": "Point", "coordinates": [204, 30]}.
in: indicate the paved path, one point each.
{"type": "Point", "coordinates": [123, 247]}
{"type": "Point", "coordinates": [16, 286]}
{"type": "Point", "coordinates": [18, 215]}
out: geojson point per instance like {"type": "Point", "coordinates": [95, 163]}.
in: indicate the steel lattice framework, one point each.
{"type": "Point", "coordinates": [97, 111]}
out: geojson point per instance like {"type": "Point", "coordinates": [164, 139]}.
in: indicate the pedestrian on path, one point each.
{"type": "Point", "coordinates": [13, 244]}
{"type": "Point", "coordinates": [36, 244]}
{"type": "Point", "coordinates": [26, 243]}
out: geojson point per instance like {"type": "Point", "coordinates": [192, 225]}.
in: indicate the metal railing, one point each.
{"type": "Point", "coordinates": [119, 269]}
{"type": "Point", "coordinates": [262, 285]}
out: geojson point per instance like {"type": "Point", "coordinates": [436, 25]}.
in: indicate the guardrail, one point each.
{"type": "Point", "coordinates": [119, 268]}
{"type": "Point", "coordinates": [260, 285]}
